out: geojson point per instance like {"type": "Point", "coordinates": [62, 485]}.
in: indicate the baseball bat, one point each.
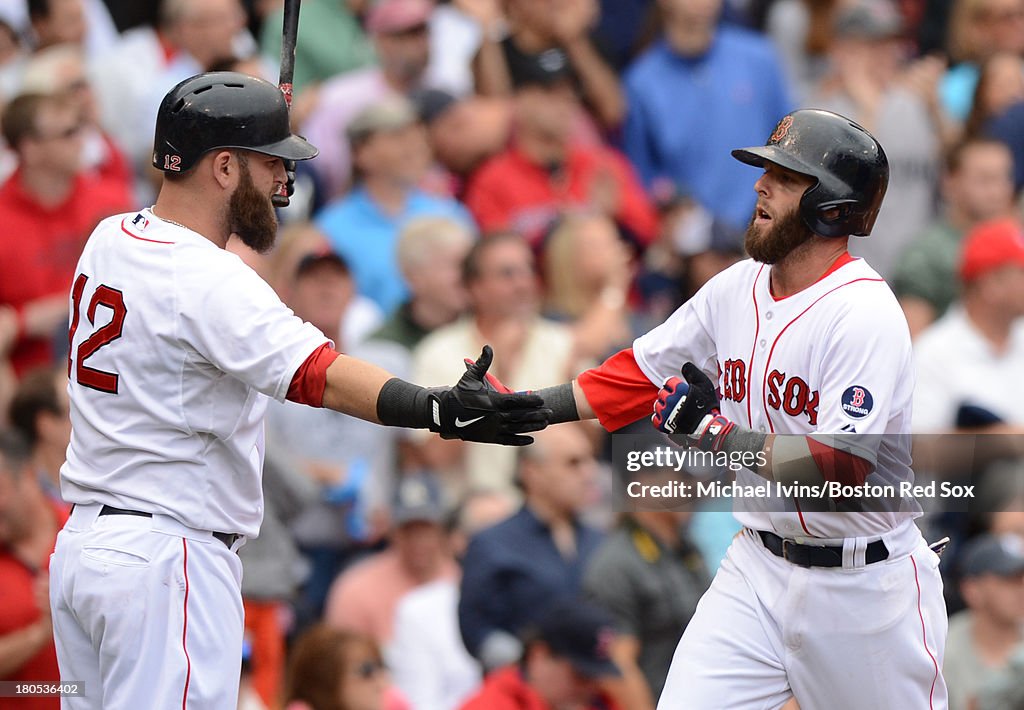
{"type": "Point", "coordinates": [289, 35]}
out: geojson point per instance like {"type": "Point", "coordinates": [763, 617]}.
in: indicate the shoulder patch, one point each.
{"type": "Point", "coordinates": [857, 402]}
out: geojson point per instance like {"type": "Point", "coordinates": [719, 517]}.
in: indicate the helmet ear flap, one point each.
{"type": "Point", "coordinates": [837, 211]}
{"type": "Point", "coordinates": [809, 208]}
{"type": "Point", "coordinates": [832, 218]}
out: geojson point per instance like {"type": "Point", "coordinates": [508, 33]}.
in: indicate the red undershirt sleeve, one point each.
{"type": "Point", "coordinates": [618, 391]}
{"type": "Point", "coordinates": [838, 465]}
{"type": "Point", "coordinates": [310, 380]}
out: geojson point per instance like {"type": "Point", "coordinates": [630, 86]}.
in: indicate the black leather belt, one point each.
{"type": "Point", "coordinates": [228, 539]}
{"type": "Point", "coordinates": [818, 555]}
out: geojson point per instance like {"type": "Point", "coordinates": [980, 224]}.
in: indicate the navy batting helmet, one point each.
{"type": "Point", "coordinates": [223, 110]}
{"type": "Point", "coordinates": [848, 165]}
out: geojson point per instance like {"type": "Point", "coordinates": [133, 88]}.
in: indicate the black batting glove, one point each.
{"type": "Point", "coordinates": [476, 408]}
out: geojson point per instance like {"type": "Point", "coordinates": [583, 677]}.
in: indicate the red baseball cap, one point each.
{"type": "Point", "coordinates": [992, 244]}
{"type": "Point", "coordinates": [394, 16]}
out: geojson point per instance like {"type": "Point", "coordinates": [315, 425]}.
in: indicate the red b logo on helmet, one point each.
{"type": "Point", "coordinates": [781, 130]}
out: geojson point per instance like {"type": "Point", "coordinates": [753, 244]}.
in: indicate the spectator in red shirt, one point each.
{"type": "Point", "coordinates": [565, 663]}
{"type": "Point", "coordinates": [546, 170]}
{"type": "Point", "coordinates": [48, 207]}
{"type": "Point", "coordinates": [463, 132]}
{"type": "Point", "coordinates": [60, 69]}
{"type": "Point", "coordinates": [29, 522]}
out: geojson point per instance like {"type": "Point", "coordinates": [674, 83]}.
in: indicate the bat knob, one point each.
{"type": "Point", "coordinates": [280, 198]}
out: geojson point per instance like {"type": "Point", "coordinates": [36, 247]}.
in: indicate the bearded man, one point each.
{"type": "Point", "coordinates": [797, 368]}
{"type": "Point", "coordinates": [175, 346]}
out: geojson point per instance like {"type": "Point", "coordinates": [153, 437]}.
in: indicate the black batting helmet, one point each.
{"type": "Point", "coordinates": [848, 165]}
{"type": "Point", "coordinates": [223, 110]}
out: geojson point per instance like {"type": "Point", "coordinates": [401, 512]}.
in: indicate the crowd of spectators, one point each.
{"type": "Point", "coordinates": [551, 177]}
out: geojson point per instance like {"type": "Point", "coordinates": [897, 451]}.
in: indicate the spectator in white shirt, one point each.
{"type": "Point", "coordinates": [428, 661]}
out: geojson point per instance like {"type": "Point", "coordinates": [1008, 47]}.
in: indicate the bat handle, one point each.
{"type": "Point", "coordinates": [289, 36]}
{"type": "Point", "coordinates": [281, 198]}
{"type": "Point", "coordinates": [939, 546]}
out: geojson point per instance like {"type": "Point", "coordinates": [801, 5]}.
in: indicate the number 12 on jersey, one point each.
{"type": "Point", "coordinates": [113, 299]}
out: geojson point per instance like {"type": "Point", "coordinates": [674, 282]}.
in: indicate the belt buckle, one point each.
{"type": "Point", "coordinates": [785, 548]}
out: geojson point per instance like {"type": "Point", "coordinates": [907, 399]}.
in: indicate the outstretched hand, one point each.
{"type": "Point", "coordinates": [480, 408]}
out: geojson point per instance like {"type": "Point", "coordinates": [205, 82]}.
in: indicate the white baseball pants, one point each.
{"type": "Point", "coordinates": [147, 613]}
{"type": "Point", "coordinates": [845, 638]}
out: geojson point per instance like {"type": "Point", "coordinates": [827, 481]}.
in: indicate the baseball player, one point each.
{"type": "Point", "coordinates": [175, 347]}
{"type": "Point", "coordinates": [780, 353]}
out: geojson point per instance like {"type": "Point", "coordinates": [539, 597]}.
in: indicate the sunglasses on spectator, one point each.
{"type": "Point", "coordinates": [369, 669]}
{"type": "Point", "coordinates": [509, 271]}
{"type": "Point", "coordinates": [80, 84]}
{"type": "Point", "coordinates": [63, 135]}
{"type": "Point", "coordinates": [994, 15]}
{"type": "Point", "coordinates": [414, 31]}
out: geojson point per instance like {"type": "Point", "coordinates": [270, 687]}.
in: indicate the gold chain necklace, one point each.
{"type": "Point", "coordinates": [170, 221]}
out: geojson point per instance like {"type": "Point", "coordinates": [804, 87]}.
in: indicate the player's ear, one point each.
{"type": "Point", "coordinates": [224, 166]}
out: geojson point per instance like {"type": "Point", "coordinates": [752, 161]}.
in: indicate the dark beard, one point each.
{"type": "Point", "coordinates": [250, 214]}
{"type": "Point", "coordinates": [784, 235]}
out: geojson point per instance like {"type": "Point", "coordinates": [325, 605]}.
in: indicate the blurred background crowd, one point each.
{"type": "Point", "coordinates": [551, 177]}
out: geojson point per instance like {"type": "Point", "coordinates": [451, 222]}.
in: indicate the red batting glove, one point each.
{"type": "Point", "coordinates": [671, 399]}
{"type": "Point", "coordinates": [690, 407]}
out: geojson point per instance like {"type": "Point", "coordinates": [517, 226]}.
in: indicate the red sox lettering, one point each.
{"type": "Point", "coordinates": [789, 394]}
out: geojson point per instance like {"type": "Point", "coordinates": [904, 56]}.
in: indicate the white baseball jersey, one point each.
{"type": "Point", "coordinates": [835, 357]}
{"type": "Point", "coordinates": [175, 345]}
